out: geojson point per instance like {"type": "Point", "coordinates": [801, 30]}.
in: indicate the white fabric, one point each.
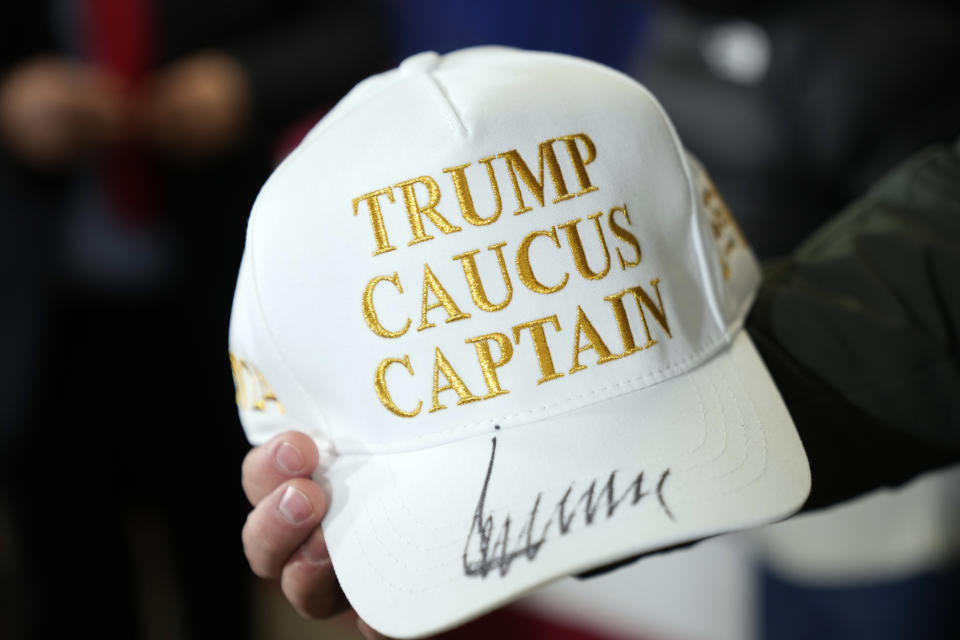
{"type": "Point", "coordinates": [695, 400]}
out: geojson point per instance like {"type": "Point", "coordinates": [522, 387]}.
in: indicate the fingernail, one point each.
{"type": "Point", "coordinates": [315, 549]}
{"type": "Point", "coordinates": [294, 506]}
{"type": "Point", "coordinates": [289, 458]}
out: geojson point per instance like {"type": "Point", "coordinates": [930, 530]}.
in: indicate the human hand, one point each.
{"type": "Point", "coordinates": [282, 538]}
{"type": "Point", "coordinates": [196, 107]}
{"type": "Point", "coordinates": [52, 110]}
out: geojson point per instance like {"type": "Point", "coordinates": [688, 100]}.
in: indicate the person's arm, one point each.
{"type": "Point", "coordinates": [860, 328]}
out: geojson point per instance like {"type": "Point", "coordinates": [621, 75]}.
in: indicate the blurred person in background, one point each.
{"type": "Point", "coordinates": [797, 107]}
{"type": "Point", "coordinates": [134, 136]}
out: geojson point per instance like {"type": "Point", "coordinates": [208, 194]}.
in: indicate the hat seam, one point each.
{"type": "Point", "coordinates": [703, 415]}
{"type": "Point", "coordinates": [741, 423]}
{"type": "Point", "coordinates": [708, 350]}
{"type": "Point", "coordinates": [433, 585]}
{"type": "Point", "coordinates": [691, 188]}
{"type": "Point", "coordinates": [271, 334]}
{"type": "Point", "coordinates": [453, 114]}
{"type": "Point", "coordinates": [710, 456]}
{"type": "Point", "coordinates": [761, 432]}
{"type": "Point", "coordinates": [697, 222]}
{"type": "Point", "coordinates": [747, 437]}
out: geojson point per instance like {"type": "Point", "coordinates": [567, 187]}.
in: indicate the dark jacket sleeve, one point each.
{"type": "Point", "coordinates": [860, 326]}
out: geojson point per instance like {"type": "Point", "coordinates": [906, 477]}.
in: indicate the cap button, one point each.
{"type": "Point", "coordinates": [424, 62]}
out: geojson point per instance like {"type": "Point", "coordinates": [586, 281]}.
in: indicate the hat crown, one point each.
{"type": "Point", "coordinates": [485, 238]}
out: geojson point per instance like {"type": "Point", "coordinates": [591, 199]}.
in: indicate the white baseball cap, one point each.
{"type": "Point", "coordinates": [508, 307]}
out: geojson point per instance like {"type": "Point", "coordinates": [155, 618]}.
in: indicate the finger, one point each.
{"type": "Point", "coordinates": [289, 455]}
{"type": "Point", "coordinates": [309, 583]}
{"type": "Point", "coordinates": [281, 523]}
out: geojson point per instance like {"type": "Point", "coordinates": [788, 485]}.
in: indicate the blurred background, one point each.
{"type": "Point", "coordinates": [134, 136]}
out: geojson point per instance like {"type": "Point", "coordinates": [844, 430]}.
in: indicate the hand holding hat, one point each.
{"type": "Point", "coordinates": [54, 110]}
{"type": "Point", "coordinates": [282, 537]}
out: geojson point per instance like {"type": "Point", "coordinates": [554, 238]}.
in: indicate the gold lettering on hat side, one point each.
{"type": "Point", "coordinates": [432, 284]}
{"type": "Point", "coordinates": [721, 220]}
{"type": "Point", "coordinates": [454, 382]}
{"type": "Point", "coordinates": [380, 385]}
{"type": "Point", "coordinates": [238, 382]}
{"type": "Point", "coordinates": [252, 390]}
{"type": "Point", "coordinates": [525, 269]}
{"type": "Point", "coordinates": [540, 346]}
{"type": "Point", "coordinates": [585, 328]}
{"type": "Point", "coordinates": [370, 313]}
{"type": "Point", "coordinates": [576, 247]}
{"type": "Point", "coordinates": [415, 211]}
{"type": "Point", "coordinates": [462, 188]}
{"type": "Point", "coordinates": [624, 235]}
{"type": "Point", "coordinates": [472, 274]}
{"type": "Point", "coordinates": [376, 217]}
{"type": "Point", "coordinates": [487, 363]}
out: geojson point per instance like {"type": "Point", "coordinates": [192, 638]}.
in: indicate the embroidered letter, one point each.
{"type": "Point", "coordinates": [525, 270]}
{"type": "Point", "coordinates": [594, 341]}
{"type": "Point", "coordinates": [462, 187]}
{"type": "Point", "coordinates": [643, 300]}
{"type": "Point", "coordinates": [517, 167]}
{"type": "Point", "coordinates": [548, 371]}
{"type": "Point", "coordinates": [576, 247]}
{"type": "Point", "coordinates": [380, 385]}
{"type": "Point", "coordinates": [454, 382]}
{"type": "Point", "coordinates": [623, 324]}
{"type": "Point", "coordinates": [579, 164]}
{"type": "Point", "coordinates": [376, 217]}
{"type": "Point", "coordinates": [487, 363]}
{"type": "Point", "coordinates": [415, 211]}
{"type": "Point", "coordinates": [472, 274]}
{"type": "Point", "coordinates": [625, 236]}
{"type": "Point", "coordinates": [430, 283]}
{"type": "Point", "coordinates": [370, 313]}
{"type": "Point", "coordinates": [246, 379]}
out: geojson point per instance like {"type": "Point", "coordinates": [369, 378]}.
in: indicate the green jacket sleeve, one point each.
{"type": "Point", "coordinates": [860, 327]}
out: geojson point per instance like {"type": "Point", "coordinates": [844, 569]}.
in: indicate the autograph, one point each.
{"type": "Point", "coordinates": [486, 550]}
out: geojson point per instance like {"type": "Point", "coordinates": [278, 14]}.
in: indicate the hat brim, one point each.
{"type": "Point", "coordinates": [424, 540]}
